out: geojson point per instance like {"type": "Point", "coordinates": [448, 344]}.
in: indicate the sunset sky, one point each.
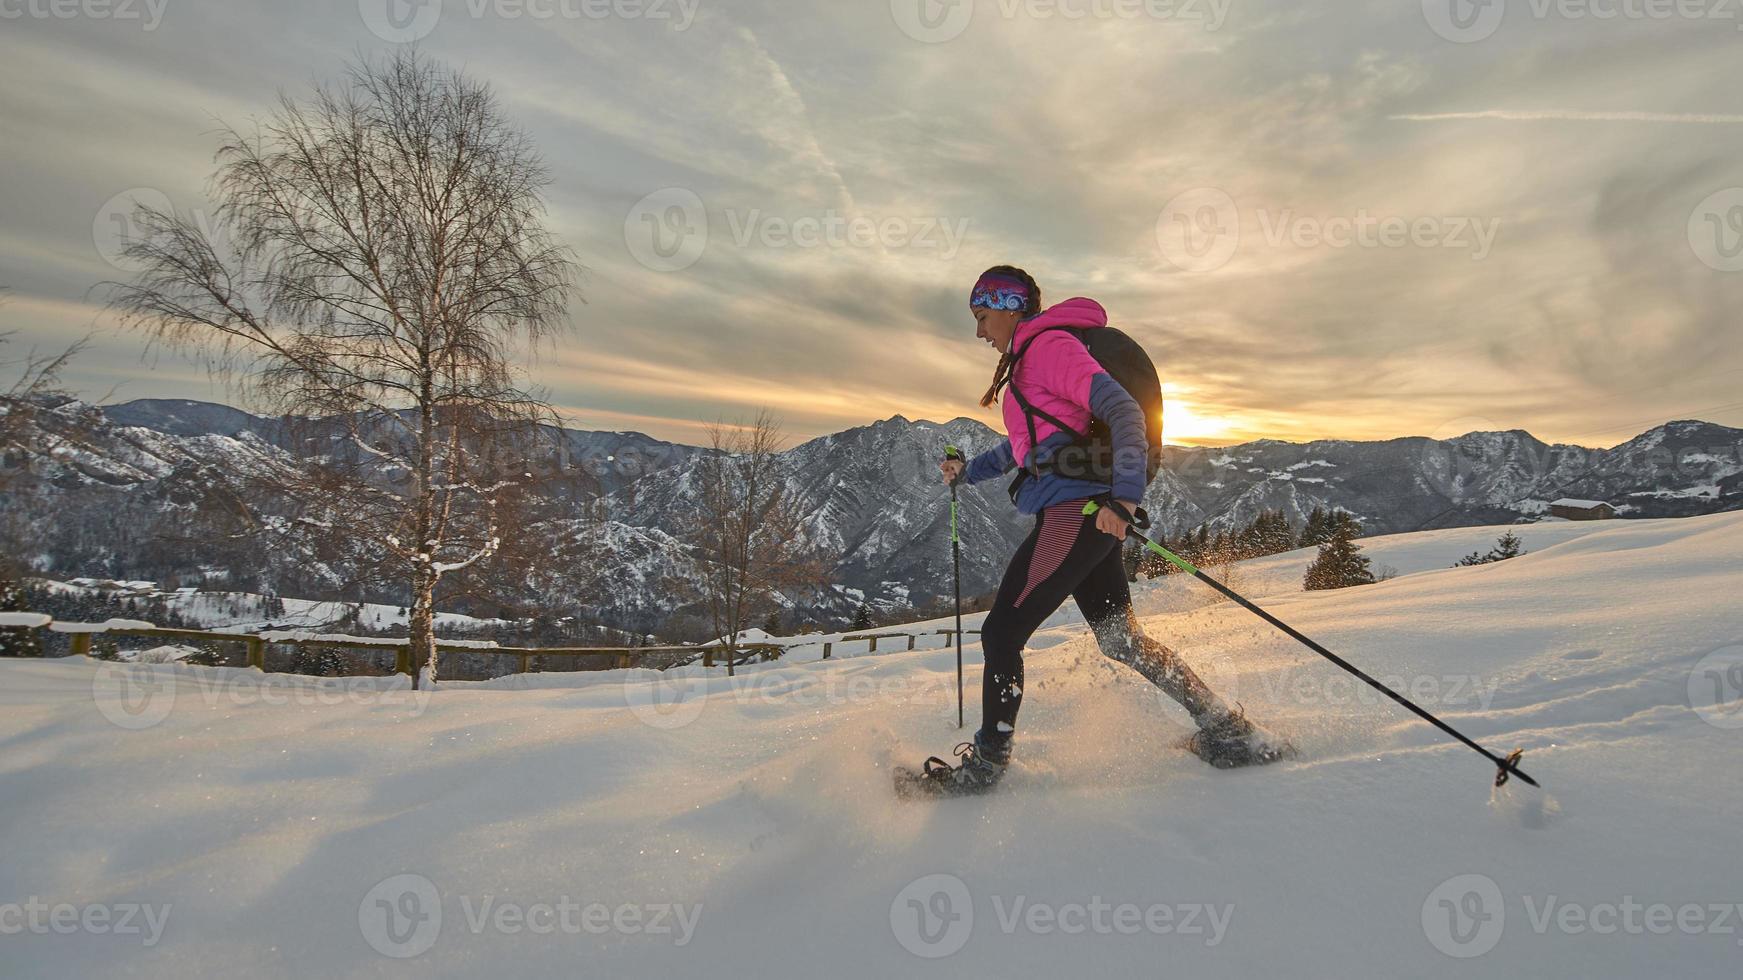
{"type": "Point", "coordinates": [1340, 220]}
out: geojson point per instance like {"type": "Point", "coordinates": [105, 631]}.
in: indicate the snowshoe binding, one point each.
{"type": "Point", "coordinates": [978, 771]}
{"type": "Point", "coordinates": [1232, 742]}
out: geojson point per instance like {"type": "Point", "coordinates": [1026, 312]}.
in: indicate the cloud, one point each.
{"type": "Point", "coordinates": [1056, 143]}
{"type": "Point", "coordinates": [1569, 115]}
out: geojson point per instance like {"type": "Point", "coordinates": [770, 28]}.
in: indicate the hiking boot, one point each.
{"type": "Point", "coordinates": [979, 769]}
{"type": "Point", "coordinates": [1231, 741]}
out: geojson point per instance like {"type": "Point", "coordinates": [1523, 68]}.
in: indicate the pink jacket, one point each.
{"type": "Point", "coordinates": [1055, 375]}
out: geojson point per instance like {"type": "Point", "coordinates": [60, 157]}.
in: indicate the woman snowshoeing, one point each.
{"type": "Point", "coordinates": [1057, 389]}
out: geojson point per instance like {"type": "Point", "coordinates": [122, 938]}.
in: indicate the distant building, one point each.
{"type": "Point", "coordinates": [1582, 510]}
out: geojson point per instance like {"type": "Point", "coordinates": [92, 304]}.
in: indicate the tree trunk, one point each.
{"type": "Point", "coordinates": [423, 625]}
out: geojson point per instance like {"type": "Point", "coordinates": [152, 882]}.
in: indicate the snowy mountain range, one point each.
{"type": "Point", "coordinates": [124, 502]}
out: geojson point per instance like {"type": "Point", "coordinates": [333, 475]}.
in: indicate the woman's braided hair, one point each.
{"type": "Point", "coordinates": [1002, 374]}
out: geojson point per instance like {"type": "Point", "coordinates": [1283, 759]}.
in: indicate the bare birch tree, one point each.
{"type": "Point", "coordinates": [377, 255]}
{"type": "Point", "coordinates": [748, 533]}
{"type": "Point", "coordinates": [35, 377]}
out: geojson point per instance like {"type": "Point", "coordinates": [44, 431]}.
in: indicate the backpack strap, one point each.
{"type": "Point", "coordinates": [1030, 412]}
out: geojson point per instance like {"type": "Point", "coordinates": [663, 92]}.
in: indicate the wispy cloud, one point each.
{"type": "Point", "coordinates": [1574, 115]}
{"type": "Point", "coordinates": [1045, 139]}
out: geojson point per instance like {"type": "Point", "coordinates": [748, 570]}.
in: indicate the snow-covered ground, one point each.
{"type": "Point", "coordinates": [637, 824]}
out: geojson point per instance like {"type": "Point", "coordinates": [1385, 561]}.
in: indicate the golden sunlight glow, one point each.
{"type": "Point", "coordinates": [1183, 426]}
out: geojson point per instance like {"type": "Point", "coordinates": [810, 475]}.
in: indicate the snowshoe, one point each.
{"type": "Point", "coordinates": [1233, 742]}
{"type": "Point", "coordinates": [978, 772]}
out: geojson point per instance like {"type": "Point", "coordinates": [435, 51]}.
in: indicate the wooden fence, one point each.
{"type": "Point", "coordinates": [611, 658]}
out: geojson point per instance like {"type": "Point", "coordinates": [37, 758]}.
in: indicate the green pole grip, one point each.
{"type": "Point", "coordinates": [1189, 568]}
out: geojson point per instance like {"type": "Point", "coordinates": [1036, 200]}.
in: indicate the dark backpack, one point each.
{"type": "Point", "coordinates": [1090, 454]}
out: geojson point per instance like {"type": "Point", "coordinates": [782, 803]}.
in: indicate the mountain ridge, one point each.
{"type": "Point", "coordinates": [123, 505]}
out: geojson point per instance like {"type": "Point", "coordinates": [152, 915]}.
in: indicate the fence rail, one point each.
{"type": "Point", "coordinates": [873, 638]}
{"type": "Point", "coordinates": [80, 636]}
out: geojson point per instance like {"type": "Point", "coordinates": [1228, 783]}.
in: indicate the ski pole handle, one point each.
{"type": "Point", "coordinates": [953, 454]}
{"type": "Point", "coordinates": [1140, 520]}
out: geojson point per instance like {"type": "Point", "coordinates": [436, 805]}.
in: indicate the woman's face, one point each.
{"type": "Point", "coordinates": [996, 327]}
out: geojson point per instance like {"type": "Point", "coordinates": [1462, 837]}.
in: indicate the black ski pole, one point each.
{"type": "Point", "coordinates": [951, 452]}
{"type": "Point", "coordinates": [1504, 767]}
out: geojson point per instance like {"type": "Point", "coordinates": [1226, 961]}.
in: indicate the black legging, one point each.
{"type": "Point", "coordinates": [1067, 555]}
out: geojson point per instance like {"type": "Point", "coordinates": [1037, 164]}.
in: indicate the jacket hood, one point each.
{"type": "Point", "coordinates": [1076, 312]}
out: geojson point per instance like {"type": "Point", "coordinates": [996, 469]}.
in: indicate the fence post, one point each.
{"type": "Point", "coordinates": [826, 649]}
{"type": "Point", "coordinates": [874, 645]}
{"type": "Point", "coordinates": [523, 663]}
{"type": "Point", "coordinates": [707, 656]}
{"type": "Point", "coordinates": [402, 660]}
{"type": "Point", "coordinates": [910, 641]}
{"type": "Point", "coordinates": [256, 652]}
{"type": "Point", "coordinates": [81, 644]}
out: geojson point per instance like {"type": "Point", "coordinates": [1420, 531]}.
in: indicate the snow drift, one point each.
{"type": "Point", "coordinates": [635, 823]}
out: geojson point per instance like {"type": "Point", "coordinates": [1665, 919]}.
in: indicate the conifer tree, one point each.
{"type": "Point", "coordinates": [1341, 563]}
{"type": "Point", "coordinates": [17, 642]}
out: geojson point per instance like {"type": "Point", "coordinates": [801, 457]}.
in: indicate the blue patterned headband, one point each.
{"type": "Point", "coordinates": [999, 292]}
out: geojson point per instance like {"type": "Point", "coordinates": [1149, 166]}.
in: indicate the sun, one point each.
{"type": "Point", "coordinates": [1183, 426]}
